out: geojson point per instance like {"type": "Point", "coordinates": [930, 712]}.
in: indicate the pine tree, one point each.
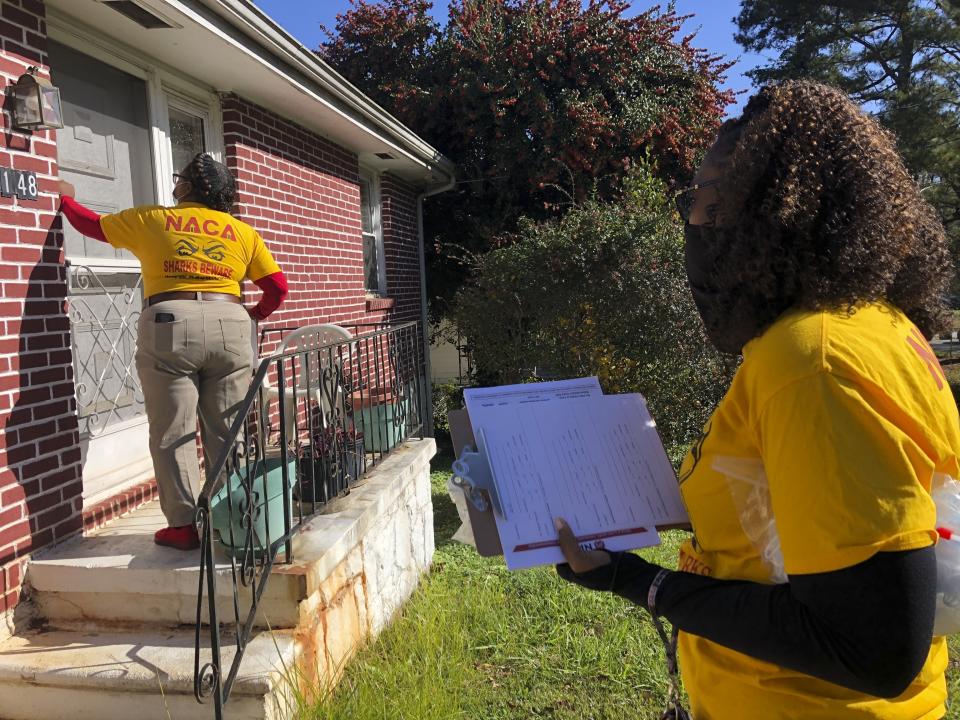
{"type": "Point", "coordinates": [899, 58]}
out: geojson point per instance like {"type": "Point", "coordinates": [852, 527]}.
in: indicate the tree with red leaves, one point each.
{"type": "Point", "coordinates": [540, 103]}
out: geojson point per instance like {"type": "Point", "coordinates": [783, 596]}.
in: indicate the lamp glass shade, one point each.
{"type": "Point", "coordinates": [36, 104]}
{"type": "Point", "coordinates": [50, 107]}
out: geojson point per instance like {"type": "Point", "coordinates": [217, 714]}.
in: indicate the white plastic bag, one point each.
{"type": "Point", "coordinates": [750, 491]}
{"type": "Point", "coordinates": [464, 533]}
{"type": "Point", "coordinates": [946, 496]}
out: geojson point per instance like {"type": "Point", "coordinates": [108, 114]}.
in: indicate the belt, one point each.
{"type": "Point", "coordinates": [191, 295]}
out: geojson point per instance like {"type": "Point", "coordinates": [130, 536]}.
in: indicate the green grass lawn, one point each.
{"type": "Point", "coordinates": [477, 641]}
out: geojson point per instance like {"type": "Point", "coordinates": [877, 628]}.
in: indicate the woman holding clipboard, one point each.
{"type": "Point", "coordinates": [809, 251]}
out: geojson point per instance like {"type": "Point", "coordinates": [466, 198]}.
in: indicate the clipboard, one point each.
{"type": "Point", "coordinates": [472, 475]}
{"type": "Point", "coordinates": [473, 483]}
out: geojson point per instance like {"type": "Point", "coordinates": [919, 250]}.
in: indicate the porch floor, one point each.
{"type": "Point", "coordinates": [118, 574]}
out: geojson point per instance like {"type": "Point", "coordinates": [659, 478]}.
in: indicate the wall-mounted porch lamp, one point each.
{"type": "Point", "coordinates": [36, 102]}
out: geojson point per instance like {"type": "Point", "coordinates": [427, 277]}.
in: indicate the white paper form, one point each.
{"type": "Point", "coordinates": [484, 404]}
{"type": "Point", "coordinates": [595, 460]}
{"type": "Point", "coordinates": [640, 453]}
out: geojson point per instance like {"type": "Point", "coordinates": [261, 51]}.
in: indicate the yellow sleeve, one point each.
{"type": "Point", "coordinates": [125, 229]}
{"type": "Point", "coordinates": [261, 261]}
{"type": "Point", "coordinates": [844, 475]}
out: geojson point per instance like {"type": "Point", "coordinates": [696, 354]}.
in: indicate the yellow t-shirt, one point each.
{"type": "Point", "coordinates": [189, 247]}
{"type": "Point", "coordinates": [851, 416]}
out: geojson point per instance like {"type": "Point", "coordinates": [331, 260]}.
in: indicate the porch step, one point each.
{"type": "Point", "coordinates": [110, 675]}
{"type": "Point", "coordinates": [117, 574]}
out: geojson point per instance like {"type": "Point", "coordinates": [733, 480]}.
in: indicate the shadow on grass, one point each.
{"type": "Point", "coordinates": [446, 521]}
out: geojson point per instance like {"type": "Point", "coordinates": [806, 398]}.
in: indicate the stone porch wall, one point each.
{"type": "Point", "coordinates": [362, 561]}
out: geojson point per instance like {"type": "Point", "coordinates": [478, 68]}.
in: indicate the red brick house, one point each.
{"type": "Point", "coordinates": [333, 183]}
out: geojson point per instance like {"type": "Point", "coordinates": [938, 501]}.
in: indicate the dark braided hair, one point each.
{"type": "Point", "coordinates": [213, 183]}
{"type": "Point", "coordinates": [821, 212]}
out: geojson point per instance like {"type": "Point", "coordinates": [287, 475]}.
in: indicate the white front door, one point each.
{"type": "Point", "coordinates": [104, 150]}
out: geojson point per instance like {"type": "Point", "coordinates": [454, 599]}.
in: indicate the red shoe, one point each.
{"type": "Point", "coordinates": [184, 537]}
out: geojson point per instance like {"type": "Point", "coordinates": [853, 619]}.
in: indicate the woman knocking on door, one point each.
{"type": "Point", "coordinates": [193, 346]}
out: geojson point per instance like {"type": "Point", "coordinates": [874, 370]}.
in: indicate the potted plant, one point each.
{"type": "Point", "coordinates": [383, 415]}
{"type": "Point", "coordinates": [333, 462]}
{"type": "Point", "coordinates": [252, 498]}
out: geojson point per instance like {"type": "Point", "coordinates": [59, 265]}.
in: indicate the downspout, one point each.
{"type": "Point", "coordinates": [423, 297]}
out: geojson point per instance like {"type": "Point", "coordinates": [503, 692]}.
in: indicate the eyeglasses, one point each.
{"type": "Point", "coordinates": [684, 198]}
{"type": "Point", "coordinates": [177, 177]}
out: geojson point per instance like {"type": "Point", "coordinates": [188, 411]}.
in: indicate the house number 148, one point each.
{"type": "Point", "coordinates": [18, 183]}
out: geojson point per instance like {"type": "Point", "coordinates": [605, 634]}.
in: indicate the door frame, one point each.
{"type": "Point", "coordinates": [163, 86]}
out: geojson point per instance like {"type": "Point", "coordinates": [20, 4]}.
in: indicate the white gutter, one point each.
{"type": "Point", "coordinates": [257, 25]}
{"type": "Point", "coordinates": [423, 297]}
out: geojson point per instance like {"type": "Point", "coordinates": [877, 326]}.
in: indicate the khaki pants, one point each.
{"type": "Point", "coordinates": [197, 357]}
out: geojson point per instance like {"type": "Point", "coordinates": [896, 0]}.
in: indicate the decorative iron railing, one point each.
{"type": "Point", "coordinates": [321, 410]}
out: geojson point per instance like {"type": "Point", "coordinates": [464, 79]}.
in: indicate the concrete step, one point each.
{"type": "Point", "coordinates": [112, 675]}
{"type": "Point", "coordinates": [118, 574]}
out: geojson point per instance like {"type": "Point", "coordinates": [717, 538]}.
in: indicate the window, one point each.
{"type": "Point", "coordinates": [186, 137]}
{"type": "Point", "coordinates": [189, 125]}
{"type": "Point", "coordinates": [374, 267]}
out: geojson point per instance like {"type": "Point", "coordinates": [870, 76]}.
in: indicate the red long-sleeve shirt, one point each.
{"type": "Point", "coordinates": [87, 222]}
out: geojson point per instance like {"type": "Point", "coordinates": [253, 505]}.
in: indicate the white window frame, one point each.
{"type": "Point", "coordinates": [372, 178]}
{"type": "Point", "coordinates": [206, 107]}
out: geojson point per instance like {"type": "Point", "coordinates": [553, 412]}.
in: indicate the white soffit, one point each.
{"type": "Point", "coordinates": [231, 46]}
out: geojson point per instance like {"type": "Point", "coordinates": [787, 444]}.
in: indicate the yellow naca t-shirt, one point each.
{"type": "Point", "coordinates": [851, 416]}
{"type": "Point", "coordinates": [189, 247]}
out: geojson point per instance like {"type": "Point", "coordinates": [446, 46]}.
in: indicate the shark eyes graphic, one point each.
{"type": "Point", "coordinates": [185, 248]}
{"type": "Point", "coordinates": [215, 251]}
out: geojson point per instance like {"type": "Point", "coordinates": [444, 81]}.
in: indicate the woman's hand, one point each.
{"type": "Point", "coordinates": [66, 189]}
{"type": "Point", "coordinates": [624, 573]}
{"type": "Point", "coordinates": [591, 569]}
{"type": "Point", "coordinates": [579, 560]}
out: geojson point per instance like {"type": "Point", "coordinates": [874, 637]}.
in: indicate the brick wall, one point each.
{"type": "Point", "coordinates": [301, 192]}
{"type": "Point", "coordinates": [400, 246]}
{"type": "Point", "coordinates": [40, 474]}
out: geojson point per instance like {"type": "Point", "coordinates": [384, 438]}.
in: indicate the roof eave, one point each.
{"type": "Point", "coordinates": [260, 28]}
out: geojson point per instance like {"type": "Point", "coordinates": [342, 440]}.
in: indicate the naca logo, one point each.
{"type": "Point", "coordinates": [919, 343]}
{"type": "Point", "coordinates": [215, 252]}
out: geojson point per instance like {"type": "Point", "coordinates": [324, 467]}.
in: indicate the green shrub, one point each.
{"type": "Point", "coordinates": [446, 397]}
{"type": "Point", "coordinates": [600, 291]}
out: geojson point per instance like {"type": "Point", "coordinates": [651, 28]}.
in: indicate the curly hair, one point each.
{"type": "Point", "coordinates": [820, 212]}
{"type": "Point", "coordinates": [213, 184]}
